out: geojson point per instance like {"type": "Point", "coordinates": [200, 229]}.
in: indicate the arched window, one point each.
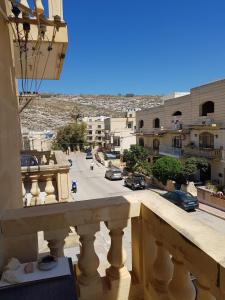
{"type": "Point", "coordinates": [206, 140]}
{"type": "Point", "coordinates": [141, 142]}
{"type": "Point", "coordinates": [177, 113]}
{"type": "Point", "coordinates": [141, 124]}
{"type": "Point", "coordinates": [156, 144]}
{"type": "Point", "coordinates": [207, 108]}
{"type": "Point", "coordinates": [156, 123]}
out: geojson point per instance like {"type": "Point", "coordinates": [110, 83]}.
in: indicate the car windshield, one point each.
{"type": "Point", "coordinates": [139, 178]}
{"type": "Point", "coordinates": [116, 171]}
{"type": "Point", "coordinates": [186, 197]}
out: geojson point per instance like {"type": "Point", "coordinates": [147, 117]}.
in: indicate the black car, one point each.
{"type": "Point", "coordinates": [184, 200]}
{"type": "Point", "coordinates": [135, 182]}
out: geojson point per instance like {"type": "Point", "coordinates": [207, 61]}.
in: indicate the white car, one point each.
{"type": "Point", "coordinates": [113, 174]}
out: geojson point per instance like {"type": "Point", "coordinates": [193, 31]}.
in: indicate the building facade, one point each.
{"type": "Point", "coordinates": [191, 125]}
{"type": "Point", "coordinates": [120, 132]}
{"type": "Point", "coordinates": [37, 140]}
{"type": "Point", "coordinates": [95, 130]}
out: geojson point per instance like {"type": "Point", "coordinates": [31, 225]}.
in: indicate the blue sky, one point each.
{"type": "Point", "coordinates": [142, 46]}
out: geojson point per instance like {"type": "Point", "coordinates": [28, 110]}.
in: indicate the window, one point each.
{"type": "Point", "coordinates": [129, 125]}
{"type": "Point", "coordinates": [141, 124]}
{"type": "Point", "coordinates": [141, 142]}
{"type": "Point", "coordinates": [177, 142]}
{"type": "Point", "coordinates": [130, 115]}
{"type": "Point", "coordinates": [177, 113]}
{"type": "Point", "coordinates": [116, 141]}
{"type": "Point", "coordinates": [156, 144]}
{"type": "Point", "coordinates": [89, 126]}
{"type": "Point", "coordinates": [207, 108]}
{"type": "Point", "coordinates": [156, 123]}
{"type": "Point", "coordinates": [206, 140]}
{"type": "Point", "coordinates": [99, 126]}
{"type": "Point", "coordinates": [90, 132]}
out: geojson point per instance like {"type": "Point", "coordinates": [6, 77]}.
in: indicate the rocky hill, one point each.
{"type": "Point", "coordinates": [51, 111]}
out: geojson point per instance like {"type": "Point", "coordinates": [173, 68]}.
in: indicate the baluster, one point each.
{"type": "Point", "coordinates": [162, 271]}
{"type": "Point", "coordinates": [35, 191]}
{"type": "Point", "coordinates": [56, 241]}
{"type": "Point", "coordinates": [88, 262]}
{"type": "Point", "coordinates": [181, 286]}
{"type": "Point", "coordinates": [49, 189]}
{"type": "Point", "coordinates": [116, 255]}
{"type": "Point", "coordinates": [149, 252]}
{"type": "Point", "coordinates": [24, 4]}
{"type": "Point", "coordinates": [204, 291]}
{"type": "Point", "coordinates": [24, 191]}
{"type": "Point", "coordinates": [39, 7]}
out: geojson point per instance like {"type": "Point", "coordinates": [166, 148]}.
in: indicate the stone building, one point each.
{"type": "Point", "coordinates": [191, 125]}
{"type": "Point", "coordinates": [119, 132]}
{"type": "Point", "coordinates": [95, 130]}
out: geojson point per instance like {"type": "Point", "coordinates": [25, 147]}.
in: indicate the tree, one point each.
{"type": "Point", "coordinates": [72, 135]}
{"type": "Point", "coordinates": [135, 158]}
{"type": "Point", "coordinates": [167, 168]}
{"type": "Point", "coordinates": [192, 165]}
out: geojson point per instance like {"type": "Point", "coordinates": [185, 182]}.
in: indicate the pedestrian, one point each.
{"type": "Point", "coordinates": [92, 165]}
{"type": "Point", "coordinates": [74, 186]}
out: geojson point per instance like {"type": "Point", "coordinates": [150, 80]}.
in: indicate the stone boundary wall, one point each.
{"type": "Point", "coordinates": [209, 198]}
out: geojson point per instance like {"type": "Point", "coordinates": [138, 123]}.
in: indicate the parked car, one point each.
{"type": "Point", "coordinates": [113, 174]}
{"type": "Point", "coordinates": [135, 182]}
{"type": "Point", "coordinates": [184, 200]}
{"type": "Point", "coordinates": [27, 160]}
{"type": "Point", "coordinates": [70, 162]}
{"type": "Point", "coordinates": [89, 155]}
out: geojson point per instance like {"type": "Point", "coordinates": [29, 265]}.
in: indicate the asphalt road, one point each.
{"type": "Point", "coordinates": [93, 184]}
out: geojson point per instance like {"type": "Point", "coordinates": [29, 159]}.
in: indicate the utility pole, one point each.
{"type": "Point", "coordinates": [10, 135]}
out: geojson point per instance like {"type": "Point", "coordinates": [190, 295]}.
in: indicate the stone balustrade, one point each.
{"type": "Point", "coordinates": [203, 152]}
{"type": "Point", "coordinates": [174, 256]}
{"type": "Point", "coordinates": [47, 182]}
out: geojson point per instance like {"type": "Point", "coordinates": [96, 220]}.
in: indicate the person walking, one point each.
{"type": "Point", "coordinates": [92, 165]}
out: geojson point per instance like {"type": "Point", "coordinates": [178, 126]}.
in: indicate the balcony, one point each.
{"type": "Point", "coordinates": [170, 151]}
{"type": "Point", "coordinates": [52, 30]}
{"type": "Point", "coordinates": [167, 245]}
{"type": "Point", "coordinates": [48, 182]}
{"type": "Point", "coordinates": [203, 152]}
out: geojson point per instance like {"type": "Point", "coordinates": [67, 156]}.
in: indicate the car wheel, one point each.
{"type": "Point", "coordinates": [133, 188]}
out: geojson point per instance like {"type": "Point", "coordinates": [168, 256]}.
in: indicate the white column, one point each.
{"type": "Point", "coordinates": [10, 135]}
{"type": "Point", "coordinates": [55, 8]}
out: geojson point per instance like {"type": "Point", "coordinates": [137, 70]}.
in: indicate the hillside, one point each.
{"type": "Point", "coordinates": [52, 111]}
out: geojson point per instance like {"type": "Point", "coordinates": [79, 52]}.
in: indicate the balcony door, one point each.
{"type": "Point", "coordinates": [206, 140]}
{"type": "Point", "coordinates": [177, 142]}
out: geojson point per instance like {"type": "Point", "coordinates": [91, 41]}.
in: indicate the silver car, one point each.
{"type": "Point", "coordinates": [113, 174]}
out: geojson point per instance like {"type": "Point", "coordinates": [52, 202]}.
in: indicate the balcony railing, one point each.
{"type": "Point", "coordinates": [47, 182]}
{"type": "Point", "coordinates": [203, 152]}
{"type": "Point", "coordinates": [170, 151]}
{"type": "Point", "coordinates": [174, 256]}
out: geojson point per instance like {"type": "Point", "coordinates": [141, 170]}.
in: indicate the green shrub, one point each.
{"type": "Point", "coordinates": [167, 168]}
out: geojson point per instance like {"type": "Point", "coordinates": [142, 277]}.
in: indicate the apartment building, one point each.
{"type": "Point", "coordinates": [95, 130]}
{"type": "Point", "coordinates": [190, 125]}
{"type": "Point", "coordinates": [120, 132]}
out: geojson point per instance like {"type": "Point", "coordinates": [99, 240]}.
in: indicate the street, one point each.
{"type": "Point", "coordinates": [93, 184]}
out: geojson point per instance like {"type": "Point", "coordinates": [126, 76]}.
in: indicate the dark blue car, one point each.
{"type": "Point", "coordinates": [184, 200]}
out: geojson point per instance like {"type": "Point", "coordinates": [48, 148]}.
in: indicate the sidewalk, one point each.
{"type": "Point", "coordinates": [212, 211]}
